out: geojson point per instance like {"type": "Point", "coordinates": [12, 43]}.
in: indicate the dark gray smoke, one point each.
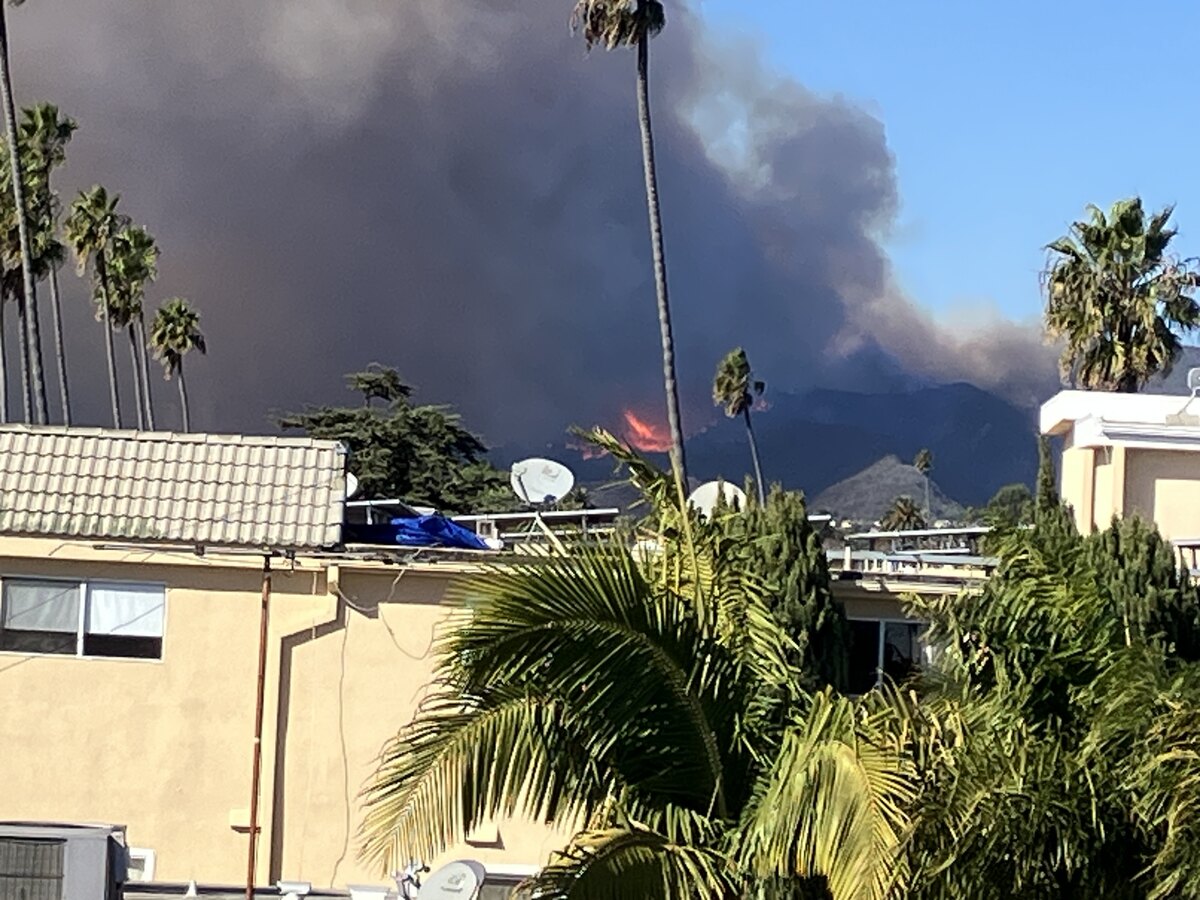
{"type": "Point", "coordinates": [455, 188]}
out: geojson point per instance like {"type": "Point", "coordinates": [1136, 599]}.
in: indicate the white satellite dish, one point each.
{"type": "Point", "coordinates": [351, 485]}
{"type": "Point", "coordinates": [459, 880]}
{"type": "Point", "coordinates": [538, 481]}
{"type": "Point", "coordinates": [706, 497]}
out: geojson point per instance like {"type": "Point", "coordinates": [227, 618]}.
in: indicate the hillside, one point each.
{"type": "Point", "coordinates": [867, 495]}
{"type": "Point", "coordinates": [815, 439]}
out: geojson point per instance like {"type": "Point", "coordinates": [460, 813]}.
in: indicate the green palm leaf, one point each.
{"type": "Point", "coordinates": [832, 804]}
{"type": "Point", "coordinates": [620, 863]}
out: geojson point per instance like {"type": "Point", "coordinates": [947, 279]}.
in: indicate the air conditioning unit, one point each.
{"type": "Point", "coordinates": [57, 861]}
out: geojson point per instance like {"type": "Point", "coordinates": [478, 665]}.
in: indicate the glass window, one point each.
{"type": "Point", "coordinates": [864, 655]}
{"type": "Point", "coordinates": [124, 620]}
{"type": "Point", "coordinates": [91, 618]}
{"type": "Point", "coordinates": [882, 647]}
{"type": "Point", "coordinates": [901, 649]}
{"type": "Point", "coordinates": [39, 616]}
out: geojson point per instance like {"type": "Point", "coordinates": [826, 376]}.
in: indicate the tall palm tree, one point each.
{"type": "Point", "coordinates": [35, 386]}
{"type": "Point", "coordinates": [174, 333]}
{"type": "Point", "coordinates": [3, 360]}
{"type": "Point", "coordinates": [132, 265]}
{"type": "Point", "coordinates": [1117, 298]}
{"type": "Point", "coordinates": [904, 515]}
{"type": "Point", "coordinates": [45, 134]}
{"type": "Point", "coordinates": [735, 390]}
{"type": "Point", "coordinates": [651, 704]}
{"type": "Point", "coordinates": [923, 463]}
{"type": "Point", "coordinates": [632, 23]}
{"type": "Point", "coordinates": [89, 230]}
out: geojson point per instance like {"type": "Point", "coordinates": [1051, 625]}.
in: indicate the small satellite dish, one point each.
{"type": "Point", "coordinates": [351, 485]}
{"type": "Point", "coordinates": [459, 880]}
{"type": "Point", "coordinates": [1193, 381]}
{"type": "Point", "coordinates": [538, 481]}
{"type": "Point", "coordinates": [706, 497]}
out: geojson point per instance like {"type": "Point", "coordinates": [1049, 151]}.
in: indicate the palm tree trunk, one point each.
{"type": "Point", "coordinates": [928, 508]}
{"type": "Point", "coordinates": [678, 457]}
{"type": "Point", "coordinates": [183, 400]}
{"type": "Point", "coordinates": [758, 479]}
{"type": "Point", "coordinates": [135, 362]}
{"type": "Point", "coordinates": [3, 369]}
{"type": "Point", "coordinates": [60, 350]}
{"type": "Point", "coordinates": [23, 352]}
{"type": "Point", "coordinates": [109, 351]}
{"type": "Point", "coordinates": [145, 361]}
{"type": "Point", "coordinates": [32, 362]}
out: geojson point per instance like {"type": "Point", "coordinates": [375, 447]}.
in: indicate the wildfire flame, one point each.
{"type": "Point", "coordinates": [645, 436]}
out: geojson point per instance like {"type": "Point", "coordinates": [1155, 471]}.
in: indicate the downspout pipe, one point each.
{"type": "Point", "coordinates": [260, 695]}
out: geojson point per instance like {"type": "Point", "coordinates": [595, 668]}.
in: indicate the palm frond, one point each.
{"type": "Point", "coordinates": [832, 804]}
{"type": "Point", "coordinates": [622, 863]}
{"type": "Point", "coordinates": [464, 760]}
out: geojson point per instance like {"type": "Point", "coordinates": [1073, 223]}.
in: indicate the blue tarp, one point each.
{"type": "Point", "coordinates": [436, 531]}
{"type": "Point", "coordinates": [418, 531]}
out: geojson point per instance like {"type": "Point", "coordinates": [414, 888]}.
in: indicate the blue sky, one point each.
{"type": "Point", "coordinates": [1005, 121]}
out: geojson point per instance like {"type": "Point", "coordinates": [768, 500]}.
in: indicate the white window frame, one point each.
{"type": "Point", "coordinates": [147, 857]}
{"type": "Point", "coordinates": [83, 584]}
{"type": "Point", "coordinates": [882, 622]}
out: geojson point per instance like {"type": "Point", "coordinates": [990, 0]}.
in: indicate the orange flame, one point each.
{"type": "Point", "coordinates": [644, 436]}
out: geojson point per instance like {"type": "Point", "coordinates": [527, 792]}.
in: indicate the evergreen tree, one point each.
{"type": "Point", "coordinates": [420, 454]}
{"type": "Point", "coordinates": [1139, 574]}
{"type": "Point", "coordinates": [780, 545]}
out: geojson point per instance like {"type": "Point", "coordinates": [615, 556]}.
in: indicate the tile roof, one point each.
{"type": "Point", "coordinates": [179, 488]}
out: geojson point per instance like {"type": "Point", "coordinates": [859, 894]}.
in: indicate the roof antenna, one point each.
{"type": "Point", "coordinates": [1183, 417]}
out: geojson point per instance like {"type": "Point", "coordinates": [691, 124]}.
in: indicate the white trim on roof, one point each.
{"type": "Point", "coordinates": [1093, 431]}
{"type": "Point", "coordinates": [920, 532]}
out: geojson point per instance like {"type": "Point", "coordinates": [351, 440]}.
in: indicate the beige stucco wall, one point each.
{"type": "Point", "coordinates": [164, 747]}
{"type": "Point", "coordinates": [1103, 492]}
{"type": "Point", "coordinates": [1164, 485]}
{"type": "Point", "coordinates": [1077, 484]}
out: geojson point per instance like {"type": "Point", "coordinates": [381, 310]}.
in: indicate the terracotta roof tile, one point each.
{"type": "Point", "coordinates": [156, 486]}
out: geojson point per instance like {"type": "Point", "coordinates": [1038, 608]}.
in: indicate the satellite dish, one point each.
{"type": "Point", "coordinates": [538, 481]}
{"type": "Point", "coordinates": [1193, 381]}
{"type": "Point", "coordinates": [706, 497]}
{"type": "Point", "coordinates": [459, 880]}
{"type": "Point", "coordinates": [351, 485]}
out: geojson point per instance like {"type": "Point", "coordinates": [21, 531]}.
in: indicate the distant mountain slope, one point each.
{"type": "Point", "coordinates": [979, 441]}
{"type": "Point", "coordinates": [812, 440]}
{"type": "Point", "coordinates": [867, 495]}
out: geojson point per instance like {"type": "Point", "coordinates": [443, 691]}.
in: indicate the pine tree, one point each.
{"type": "Point", "coordinates": [1139, 574]}
{"type": "Point", "coordinates": [781, 546]}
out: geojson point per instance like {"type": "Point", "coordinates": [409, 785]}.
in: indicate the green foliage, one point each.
{"type": "Point", "coordinates": [617, 23]}
{"type": "Point", "coordinates": [653, 702]}
{"type": "Point", "coordinates": [1042, 730]}
{"type": "Point", "coordinates": [1011, 506]}
{"type": "Point", "coordinates": [174, 333]}
{"type": "Point", "coordinates": [776, 541]}
{"type": "Point", "coordinates": [132, 265]}
{"type": "Point", "coordinates": [923, 462]}
{"type": "Point", "coordinates": [733, 387]}
{"type": "Point", "coordinates": [421, 454]}
{"type": "Point", "coordinates": [1117, 298]}
{"type": "Point", "coordinates": [904, 515]}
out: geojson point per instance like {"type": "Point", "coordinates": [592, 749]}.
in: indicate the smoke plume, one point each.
{"type": "Point", "coordinates": [454, 188]}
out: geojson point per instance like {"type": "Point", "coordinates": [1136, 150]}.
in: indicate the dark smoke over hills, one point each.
{"type": "Point", "coordinates": [454, 188]}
